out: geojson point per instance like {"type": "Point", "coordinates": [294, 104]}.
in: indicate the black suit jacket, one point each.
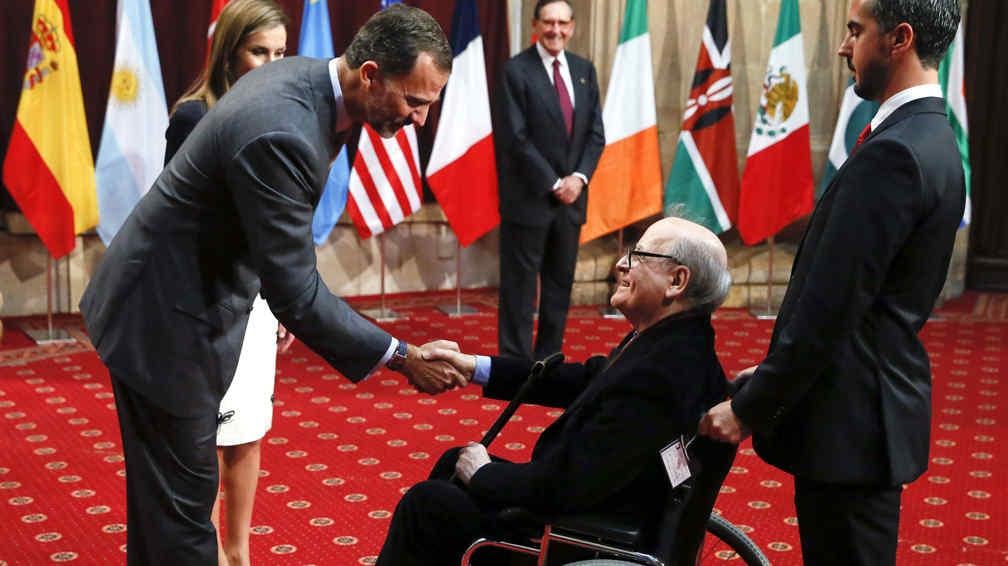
{"type": "Point", "coordinates": [844, 394]}
{"type": "Point", "coordinates": [531, 142]}
{"type": "Point", "coordinates": [168, 305]}
{"type": "Point", "coordinates": [603, 452]}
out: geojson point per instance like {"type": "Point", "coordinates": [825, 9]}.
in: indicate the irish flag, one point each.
{"type": "Point", "coordinates": [627, 185]}
{"type": "Point", "coordinates": [704, 183]}
{"type": "Point", "coordinates": [49, 169]}
{"type": "Point", "coordinates": [461, 171]}
{"type": "Point", "coordinates": [951, 76]}
{"type": "Point", "coordinates": [777, 182]}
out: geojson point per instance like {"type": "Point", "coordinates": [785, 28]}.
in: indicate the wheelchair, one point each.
{"type": "Point", "coordinates": [676, 538]}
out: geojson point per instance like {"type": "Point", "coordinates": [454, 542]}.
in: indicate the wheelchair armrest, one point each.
{"type": "Point", "coordinates": [591, 525]}
{"type": "Point", "coordinates": [620, 531]}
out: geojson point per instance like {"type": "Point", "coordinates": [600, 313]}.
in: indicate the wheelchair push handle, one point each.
{"type": "Point", "coordinates": [539, 369]}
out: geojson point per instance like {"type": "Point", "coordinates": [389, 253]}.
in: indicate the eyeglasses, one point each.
{"type": "Point", "coordinates": [634, 254]}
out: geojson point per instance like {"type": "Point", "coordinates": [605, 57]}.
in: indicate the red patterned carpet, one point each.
{"type": "Point", "coordinates": [340, 454]}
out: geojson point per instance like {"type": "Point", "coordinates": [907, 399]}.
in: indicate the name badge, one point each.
{"type": "Point", "coordinates": [676, 462]}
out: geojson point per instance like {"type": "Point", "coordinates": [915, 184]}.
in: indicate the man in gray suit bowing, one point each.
{"type": "Point", "coordinates": [231, 214]}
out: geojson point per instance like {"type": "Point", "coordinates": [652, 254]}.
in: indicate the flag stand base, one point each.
{"type": "Point", "coordinates": [454, 309]}
{"type": "Point", "coordinates": [45, 336]}
{"type": "Point", "coordinates": [381, 314]}
{"type": "Point", "coordinates": [49, 334]}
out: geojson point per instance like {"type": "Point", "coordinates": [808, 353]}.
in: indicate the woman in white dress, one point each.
{"type": "Point", "coordinates": [249, 33]}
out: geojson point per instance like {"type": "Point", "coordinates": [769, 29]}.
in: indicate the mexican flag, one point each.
{"type": "Point", "coordinates": [951, 76]}
{"type": "Point", "coordinates": [777, 181]}
{"type": "Point", "coordinates": [704, 183]}
{"type": "Point", "coordinates": [626, 186]}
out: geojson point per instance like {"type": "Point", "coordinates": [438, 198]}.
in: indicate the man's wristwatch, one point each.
{"type": "Point", "coordinates": [398, 359]}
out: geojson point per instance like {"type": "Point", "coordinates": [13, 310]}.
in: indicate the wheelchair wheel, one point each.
{"type": "Point", "coordinates": [729, 543]}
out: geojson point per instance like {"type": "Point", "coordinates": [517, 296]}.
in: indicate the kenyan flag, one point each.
{"type": "Point", "coordinates": [704, 184]}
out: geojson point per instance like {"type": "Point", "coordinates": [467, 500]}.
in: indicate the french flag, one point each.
{"type": "Point", "coordinates": [462, 171]}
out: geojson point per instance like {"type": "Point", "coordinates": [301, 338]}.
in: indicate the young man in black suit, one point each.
{"type": "Point", "coordinates": [548, 137]}
{"type": "Point", "coordinates": [620, 411]}
{"type": "Point", "coordinates": [231, 214]}
{"type": "Point", "coordinates": [843, 399]}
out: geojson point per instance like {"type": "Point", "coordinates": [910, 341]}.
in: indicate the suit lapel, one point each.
{"type": "Point", "coordinates": [543, 85]}
{"type": "Point", "coordinates": [580, 82]}
{"type": "Point", "coordinates": [919, 106]}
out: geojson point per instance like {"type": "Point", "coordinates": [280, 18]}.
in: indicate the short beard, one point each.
{"type": "Point", "coordinates": [872, 81]}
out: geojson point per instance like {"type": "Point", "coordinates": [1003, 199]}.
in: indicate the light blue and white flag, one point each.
{"type": "Point", "coordinates": [131, 154]}
{"type": "Point", "coordinates": [316, 41]}
{"type": "Point", "coordinates": [855, 114]}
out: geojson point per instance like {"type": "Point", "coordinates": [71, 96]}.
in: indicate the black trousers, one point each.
{"type": "Point", "coordinates": [847, 525]}
{"type": "Point", "coordinates": [527, 254]}
{"type": "Point", "coordinates": [171, 482]}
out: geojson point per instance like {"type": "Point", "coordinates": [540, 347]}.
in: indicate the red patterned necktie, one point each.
{"type": "Point", "coordinates": [564, 97]}
{"type": "Point", "coordinates": [863, 135]}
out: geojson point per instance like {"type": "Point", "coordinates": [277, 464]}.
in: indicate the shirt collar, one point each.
{"type": "Point", "coordinates": [342, 119]}
{"type": "Point", "coordinates": [902, 97]}
{"type": "Point", "coordinates": [548, 58]}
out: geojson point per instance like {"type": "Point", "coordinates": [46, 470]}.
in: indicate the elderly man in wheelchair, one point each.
{"type": "Point", "coordinates": [614, 452]}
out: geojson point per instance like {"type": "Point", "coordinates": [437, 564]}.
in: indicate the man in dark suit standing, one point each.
{"type": "Point", "coordinates": [548, 134]}
{"type": "Point", "coordinates": [843, 399]}
{"type": "Point", "coordinates": [602, 454]}
{"type": "Point", "coordinates": [230, 214]}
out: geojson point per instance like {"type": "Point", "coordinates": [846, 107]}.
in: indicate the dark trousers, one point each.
{"type": "Point", "coordinates": [527, 253]}
{"type": "Point", "coordinates": [846, 525]}
{"type": "Point", "coordinates": [434, 522]}
{"type": "Point", "coordinates": [171, 482]}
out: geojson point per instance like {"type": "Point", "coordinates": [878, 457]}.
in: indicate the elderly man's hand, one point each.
{"type": "Point", "coordinates": [720, 423]}
{"type": "Point", "coordinates": [464, 363]}
{"type": "Point", "coordinates": [431, 376]}
{"type": "Point", "coordinates": [471, 458]}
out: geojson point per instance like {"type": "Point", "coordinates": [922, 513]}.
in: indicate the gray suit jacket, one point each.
{"type": "Point", "coordinates": [532, 146]}
{"type": "Point", "coordinates": [167, 308]}
{"type": "Point", "coordinates": [844, 394]}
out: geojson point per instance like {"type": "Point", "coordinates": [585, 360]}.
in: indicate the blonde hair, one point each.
{"type": "Point", "coordinates": [238, 20]}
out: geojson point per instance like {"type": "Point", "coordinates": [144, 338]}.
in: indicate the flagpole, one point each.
{"type": "Point", "coordinates": [381, 314]}
{"type": "Point", "coordinates": [607, 310]}
{"type": "Point", "coordinates": [459, 308]}
{"type": "Point", "coordinates": [768, 313]}
{"type": "Point", "coordinates": [48, 335]}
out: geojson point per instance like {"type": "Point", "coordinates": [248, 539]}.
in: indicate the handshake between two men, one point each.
{"type": "Point", "coordinates": [437, 366]}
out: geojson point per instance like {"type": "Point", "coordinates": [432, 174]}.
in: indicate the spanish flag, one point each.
{"type": "Point", "coordinates": [49, 169]}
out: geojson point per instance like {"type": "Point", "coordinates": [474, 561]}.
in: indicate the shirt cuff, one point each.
{"type": "Point", "coordinates": [481, 375]}
{"type": "Point", "coordinates": [556, 185]}
{"type": "Point", "coordinates": [581, 176]}
{"type": "Point", "coordinates": [385, 358]}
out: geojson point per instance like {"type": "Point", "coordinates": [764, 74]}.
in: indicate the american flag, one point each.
{"type": "Point", "coordinates": [384, 181]}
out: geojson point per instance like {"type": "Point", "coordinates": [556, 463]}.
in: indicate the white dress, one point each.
{"type": "Point", "coordinates": [246, 411]}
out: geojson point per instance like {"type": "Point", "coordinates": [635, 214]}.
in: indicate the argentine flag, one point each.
{"type": "Point", "coordinates": [316, 41]}
{"type": "Point", "coordinates": [131, 154]}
